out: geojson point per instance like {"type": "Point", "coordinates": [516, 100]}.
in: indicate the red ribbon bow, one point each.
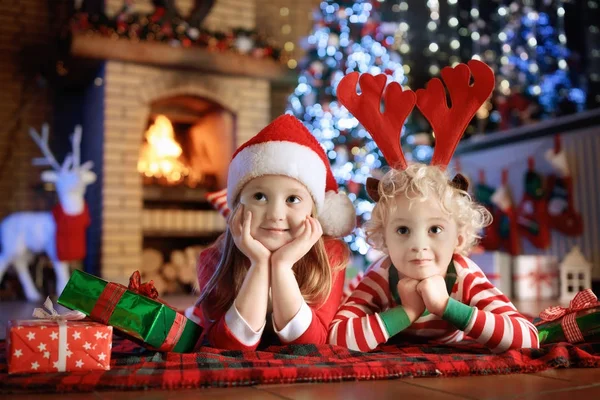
{"type": "Point", "coordinates": [145, 289]}
{"type": "Point", "coordinates": [582, 301]}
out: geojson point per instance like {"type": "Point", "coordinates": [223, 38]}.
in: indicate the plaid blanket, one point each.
{"type": "Point", "coordinates": [135, 368]}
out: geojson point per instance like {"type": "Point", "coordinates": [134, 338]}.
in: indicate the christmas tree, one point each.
{"type": "Point", "coordinates": [349, 36]}
{"type": "Point", "coordinates": [538, 77]}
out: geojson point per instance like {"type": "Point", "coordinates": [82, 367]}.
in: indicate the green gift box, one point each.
{"type": "Point", "coordinates": [588, 322]}
{"type": "Point", "coordinates": [137, 315]}
{"type": "Point", "coordinates": [576, 323]}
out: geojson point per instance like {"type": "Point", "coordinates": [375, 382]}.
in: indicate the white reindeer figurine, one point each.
{"type": "Point", "coordinates": [24, 233]}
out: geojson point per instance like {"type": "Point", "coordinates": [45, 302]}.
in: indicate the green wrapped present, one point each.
{"type": "Point", "coordinates": [134, 310]}
{"type": "Point", "coordinates": [576, 323]}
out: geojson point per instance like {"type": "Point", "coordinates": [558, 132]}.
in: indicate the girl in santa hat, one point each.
{"type": "Point", "coordinates": [278, 267]}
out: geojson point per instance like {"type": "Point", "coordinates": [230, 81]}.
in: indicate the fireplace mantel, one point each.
{"type": "Point", "coordinates": [162, 54]}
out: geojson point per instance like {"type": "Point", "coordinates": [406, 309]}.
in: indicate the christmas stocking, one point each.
{"type": "Point", "coordinates": [532, 213]}
{"type": "Point", "coordinates": [491, 234]}
{"type": "Point", "coordinates": [561, 211]}
{"type": "Point", "coordinates": [506, 215]}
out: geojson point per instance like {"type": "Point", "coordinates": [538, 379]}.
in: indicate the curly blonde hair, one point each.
{"type": "Point", "coordinates": [420, 182]}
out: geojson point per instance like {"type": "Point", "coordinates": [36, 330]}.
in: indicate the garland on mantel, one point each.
{"type": "Point", "coordinates": [162, 26]}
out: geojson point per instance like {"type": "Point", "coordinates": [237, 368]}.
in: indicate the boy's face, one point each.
{"type": "Point", "coordinates": [279, 207]}
{"type": "Point", "coordinates": [421, 239]}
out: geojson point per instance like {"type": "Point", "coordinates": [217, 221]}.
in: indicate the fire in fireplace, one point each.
{"type": "Point", "coordinates": [160, 157]}
{"type": "Point", "coordinates": [189, 141]}
{"type": "Point", "coordinates": [187, 145]}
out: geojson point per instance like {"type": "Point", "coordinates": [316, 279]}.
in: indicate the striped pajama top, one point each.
{"type": "Point", "coordinates": [493, 320]}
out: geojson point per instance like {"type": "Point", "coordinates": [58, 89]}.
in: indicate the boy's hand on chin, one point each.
{"type": "Point", "coordinates": [411, 300]}
{"type": "Point", "coordinates": [434, 293]}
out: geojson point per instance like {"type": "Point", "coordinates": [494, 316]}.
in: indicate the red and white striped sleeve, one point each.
{"type": "Point", "coordinates": [496, 323]}
{"type": "Point", "coordinates": [218, 200]}
{"type": "Point", "coordinates": [357, 324]}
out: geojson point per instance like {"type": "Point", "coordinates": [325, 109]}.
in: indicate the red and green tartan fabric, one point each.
{"type": "Point", "coordinates": [136, 368]}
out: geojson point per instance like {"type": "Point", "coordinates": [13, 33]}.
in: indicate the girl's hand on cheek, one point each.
{"type": "Point", "coordinates": [290, 253]}
{"type": "Point", "coordinates": [252, 248]}
{"type": "Point", "coordinates": [434, 293]}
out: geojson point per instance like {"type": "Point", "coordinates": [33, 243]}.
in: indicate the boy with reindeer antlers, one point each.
{"type": "Point", "coordinates": [425, 223]}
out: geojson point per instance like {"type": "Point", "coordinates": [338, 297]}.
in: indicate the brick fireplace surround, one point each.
{"type": "Point", "coordinates": [129, 91]}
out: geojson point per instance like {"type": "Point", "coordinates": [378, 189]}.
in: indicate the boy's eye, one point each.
{"type": "Point", "coordinates": [436, 229]}
{"type": "Point", "coordinates": [403, 230]}
{"type": "Point", "coordinates": [294, 199]}
{"type": "Point", "coordinates": [259, 196]}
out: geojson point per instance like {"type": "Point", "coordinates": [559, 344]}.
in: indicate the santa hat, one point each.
{"type": "Point", "coordinates": [286, 147]}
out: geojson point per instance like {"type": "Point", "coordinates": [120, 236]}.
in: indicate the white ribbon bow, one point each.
{"type": "Point", "coordinates": [60, 319]}
{"type": "Point", "coordinates": [53, 315]}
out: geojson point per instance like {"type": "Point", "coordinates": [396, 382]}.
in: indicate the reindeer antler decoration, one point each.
{"type": "Point", "coordinates": [449, 123]}
{"type": "Point", "coordinates": [385, 128]}
{"type": "Point", "coordinates": [42, 142]}
{"type": "Point", "coordinates": [72, 161]}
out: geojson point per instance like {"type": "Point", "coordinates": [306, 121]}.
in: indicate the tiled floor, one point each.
{"type": "Point", "coordinates": [552, 384]}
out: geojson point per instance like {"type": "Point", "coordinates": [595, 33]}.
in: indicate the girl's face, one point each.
{"type": "Point", "coordinates": [421, 239]}
{"type": "Point", "coordinates": [279, 207]}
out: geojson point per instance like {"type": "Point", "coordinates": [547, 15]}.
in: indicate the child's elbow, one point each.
{"type": "Point", "coordinates": [530, 341]}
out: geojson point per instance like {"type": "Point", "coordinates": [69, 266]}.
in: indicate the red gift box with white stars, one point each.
{"type": "Point", "coordinates": [35, 346]}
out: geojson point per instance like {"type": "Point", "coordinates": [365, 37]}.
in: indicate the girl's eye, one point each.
{"type": "Point", "coordinates": [436, 229]}
{"type": "Point", "coordinates": [259, 196]}
{"type": "Point", "coordinates": [294, 199]}
{"type": "Point", "coordinates": [403, 230]}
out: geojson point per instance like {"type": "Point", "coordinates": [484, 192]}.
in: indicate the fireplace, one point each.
{"type": "Point", "coordinates": [188, 143]}
{"type": "Point", "coordinates": [210, 116]}
{"type": "Point", "coordinates": [184, 156]}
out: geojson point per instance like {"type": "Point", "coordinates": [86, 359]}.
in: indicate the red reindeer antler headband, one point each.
{"type": "Point", "coordinates": [384, 127]}
{"type": "Point", "coordinates": [448, 123]}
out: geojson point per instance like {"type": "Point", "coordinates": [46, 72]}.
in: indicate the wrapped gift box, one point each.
{"type": "Point", "coordinates": [497, 267]}
{"type": "Point", "coordinates": [576, 323]}
{"type": "Point", "coordinates": [141, 317]}
{"type": "Point", "coordinates": [57, 346]}
{"type": "Point", "coordinates": [535, 277]}
{"type": "Point", "coordinates": [588, 322]}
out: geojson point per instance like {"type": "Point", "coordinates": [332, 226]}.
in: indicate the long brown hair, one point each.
{"type": "Point", "coordinates": [313, 273]}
